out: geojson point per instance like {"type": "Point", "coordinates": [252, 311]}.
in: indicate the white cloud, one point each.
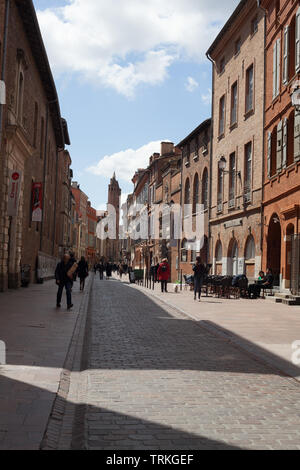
{"type": "Point", "coordinates": [206, 97]}
{"type": "Point", "coordinates": [191, 84]}
{"type": "Point", "coordinates": [125, 162]}
{"type": "Point", "coordinates": [125, 43]}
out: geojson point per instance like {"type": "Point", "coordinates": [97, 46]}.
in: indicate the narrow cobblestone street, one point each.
{"type": "Point", "coordinates": [159, 380]}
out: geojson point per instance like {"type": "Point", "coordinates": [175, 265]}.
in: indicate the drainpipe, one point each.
{"type": "Point", "coordinates": [210, 251]}
{"type": "Point", "coordinates": [263, 143]}
{"type": "Point", "coordinates": [44, 177]}
{"type": "Point", "coordinates": [7, 4]}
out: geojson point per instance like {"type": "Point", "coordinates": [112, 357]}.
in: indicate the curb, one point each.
{"type": "Point", "coordinates": [64, 413]}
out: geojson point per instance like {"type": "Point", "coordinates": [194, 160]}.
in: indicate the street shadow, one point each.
{"type": "Point", "coordinates": [132, 330]}
{"type": "Point", "coordinates": [26, 411]}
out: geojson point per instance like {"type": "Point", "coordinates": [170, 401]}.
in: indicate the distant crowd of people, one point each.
{"type": "Point", "coordinates": [69, 269]}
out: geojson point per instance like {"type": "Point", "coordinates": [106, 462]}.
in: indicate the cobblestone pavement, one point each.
{"type": "Point", "coordinates": [158, 380]}
{"type": "Point", "coordinates": [37, 338]}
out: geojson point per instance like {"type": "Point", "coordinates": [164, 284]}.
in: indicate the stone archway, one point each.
{"type": "Point", "coordinates": [274, 248]}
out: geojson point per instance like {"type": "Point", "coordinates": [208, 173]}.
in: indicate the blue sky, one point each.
{"type": "Point", "coordinates": [129, 74]}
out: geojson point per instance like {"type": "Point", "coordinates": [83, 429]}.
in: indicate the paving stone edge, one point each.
{"type": "Point", "coordinates": [64, 413]}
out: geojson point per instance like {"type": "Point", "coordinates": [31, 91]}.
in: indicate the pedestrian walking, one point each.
{"type": "Point", "coordinates": [83, 272]}
{"type": "Point", "coordinates": [163, 273]}
{"type": "Point", "coordinates": [199, 270]}
{"type": "Point", "coordinates": [64, 279]}
{"type": "Point", "coordinates": [108, 270]}
{"type": "Point", "coordinates": [101, 270]}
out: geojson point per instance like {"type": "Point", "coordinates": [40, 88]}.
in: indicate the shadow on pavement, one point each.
{"type": "Point", "coordinates": [25, 410]}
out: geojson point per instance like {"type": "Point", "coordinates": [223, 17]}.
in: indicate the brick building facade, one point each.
{"type": "Point", "coordinates": [237, 55]}
{"type": "Point", "coordinates": [33, 136]}
{"type": "Point", "coordinates": [281, 196]}
{"type": "Point", "coordinates": [195, 191]}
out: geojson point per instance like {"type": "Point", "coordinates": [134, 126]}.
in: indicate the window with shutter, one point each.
{"type": "Point", "coordinates": [279, 147]}
{"type": "Point", "coordinates": [284, 142]}
{"type": "Point", "coordinates": [269, 153]}
{"type": "Point", "coordinates": [278, 67]}
{"type": "Point", "coordinates": [286, 56]}
{"type": "Point", "coordinates": [297, 44]}
{"type": "Point", "coordinates": [274, 69]}
{"type": "Point", "coordinates": [297, 136]}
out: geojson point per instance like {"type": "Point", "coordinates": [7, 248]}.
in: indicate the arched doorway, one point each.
{"type": "Point", "coordinates": [274, 248]}
{"type": "Point", "coordinates": [290, 230]}
{"type": "Point", "coordinates": [233, 258]}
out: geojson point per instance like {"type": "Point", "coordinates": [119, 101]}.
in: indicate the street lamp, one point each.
{"type": "Point", "coordinates": [295, 96]}
{"type": "Point", "coordinates": [222, 167]}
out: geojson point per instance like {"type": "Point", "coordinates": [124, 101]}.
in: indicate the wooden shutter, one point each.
{"type": "Point", "coordinates": [278, 67]}
{"type": "Point", "coordinates": [274, 69]}
{"type": "Point", "coordinates": [279, 147]}
{"type": "Point", "coordinates": [284, 142]}
{"type": "Point", "coordinates": [297, 136]}
{"type": "Point", "coordinates": [297, 45]}
{"type": "Point", "coordinates": [286, 55]}
{"type": "Point", "coordinates": [269, 153]}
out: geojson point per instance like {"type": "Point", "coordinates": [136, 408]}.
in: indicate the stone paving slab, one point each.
{"type": "Point", "coordinates": [261, 326]}
{"type": "Point", "coordinates": [37, 337]}
{"type": "Point", "coordinates": [157, 379]}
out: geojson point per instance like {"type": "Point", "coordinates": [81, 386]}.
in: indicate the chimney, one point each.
{"type": "Point", "coordinates": [167, 147]}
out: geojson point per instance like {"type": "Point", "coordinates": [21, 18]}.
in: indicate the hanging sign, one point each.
{"type": "Point", "coordinates": [37, 202]}
{"type": "Point", "coordinates": [15, 178]}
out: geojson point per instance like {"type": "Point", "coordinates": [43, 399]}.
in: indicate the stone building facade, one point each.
{"type": "Point", "coordinates": [33, 136]}
{"type": "Point", "coordinates": [281, 197]}
{"type": "Point", "coordinates": [237, 55]}
{"type": "Point", "coordinates": [195, 191]}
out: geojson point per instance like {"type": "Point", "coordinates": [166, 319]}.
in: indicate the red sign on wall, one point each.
{"type": "Point", "coordinates": [37, 202]}
{"type": "Point", "coordinates": [14, 192]}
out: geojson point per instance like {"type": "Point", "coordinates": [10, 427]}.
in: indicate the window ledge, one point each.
{"type": "Point", "coordinates": [248, 114]}
{"type": "Point", "coordinates": [221, 136]}
{"type": "Point", "coordinates": [233, 126]}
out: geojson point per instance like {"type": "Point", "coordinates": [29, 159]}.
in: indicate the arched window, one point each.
{"type": "Point", "coordinates": [196, 193]}
{"type": "Point", "coordinates": [250, 248]}
{"type": "Point", "coordinates": [219, 252]}
{"type": "Point", "coordinates": [184, 251]}
{"type": "Point", "coordinates": [205, 189]}
{"type": "Point", "coordinates": [187, 192]}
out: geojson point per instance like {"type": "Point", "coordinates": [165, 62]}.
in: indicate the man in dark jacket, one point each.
{"type": "Point", "coordinates": [199, 274]}
{"type": "Point", "coordinates": [63, 280]}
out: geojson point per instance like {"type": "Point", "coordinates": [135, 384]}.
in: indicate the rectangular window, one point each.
{"type": "Point", "coordinates": [276, 68]}
{"type": "Point", "coordinates": [42, 139]}
{"type": "Point", "coordinates": [222, 116]}
{"type": "Point", "coordinates": [233, 116]}
{"type": "Point", "coordinates": [249, 89]}
{"type": "Point", "coordinates": [254, 25]}
{"type": "Point", "coordinates": [35, 124]}
{"type": "Point", "coordinates": [220, 191]}
{"type": "Point", "coordinates": [237, 46]}
{"type": "Point", "coordinates": [248, 171]}
{"type": "Point", "coordinates": [232, 172]}
{"type": "Point", "coordinates": [285, 77]}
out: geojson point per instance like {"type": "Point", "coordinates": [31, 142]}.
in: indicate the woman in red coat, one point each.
{"type": "Point", "coordinates": [163, 274]}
